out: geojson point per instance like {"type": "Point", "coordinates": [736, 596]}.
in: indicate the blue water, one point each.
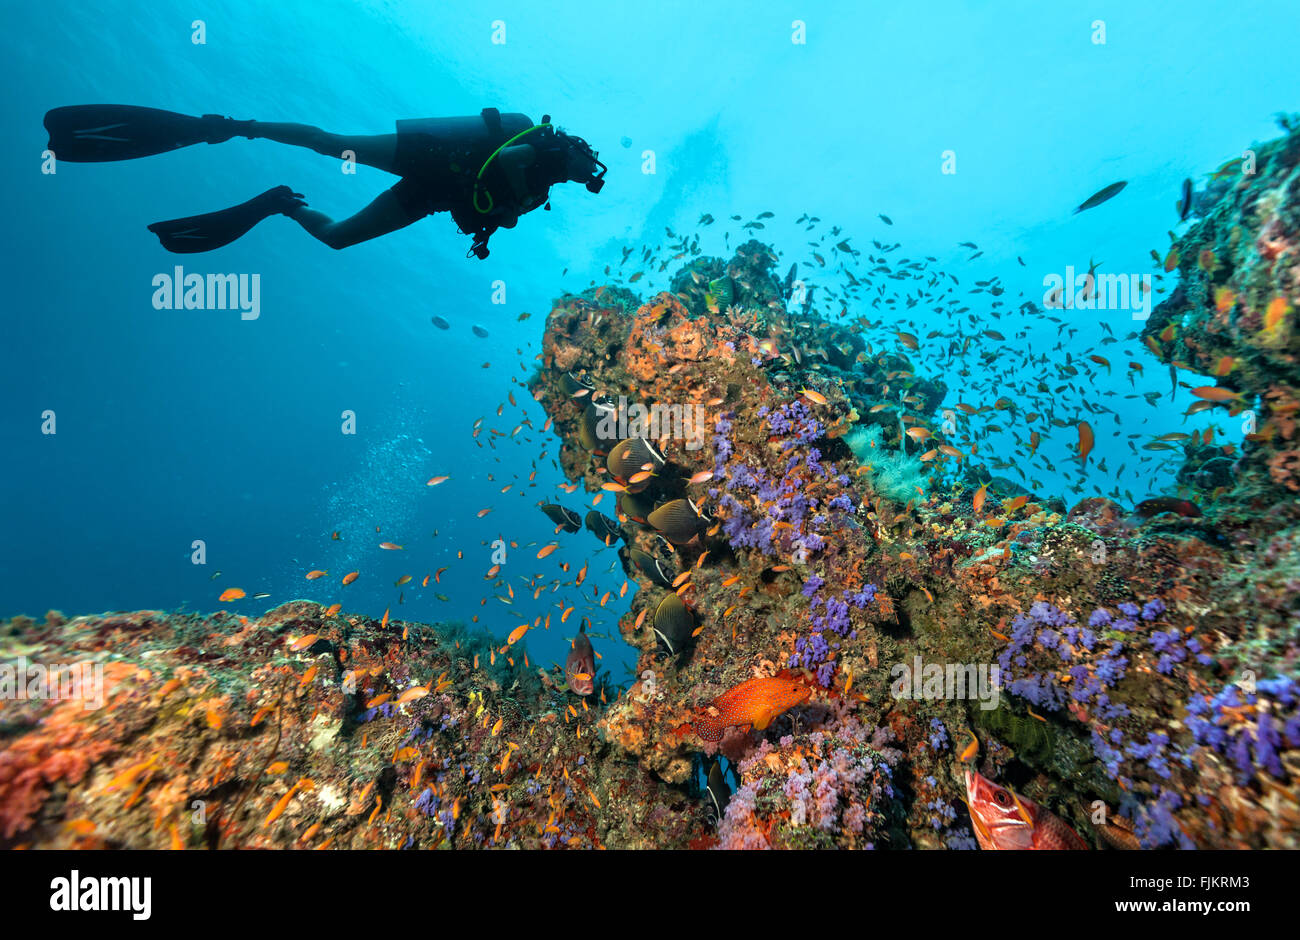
{"type": "Point", "coordinates": [181, 425]}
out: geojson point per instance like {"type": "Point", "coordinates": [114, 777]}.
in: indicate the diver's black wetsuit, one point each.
{"type": "Point", "coordinates": [486, 170]}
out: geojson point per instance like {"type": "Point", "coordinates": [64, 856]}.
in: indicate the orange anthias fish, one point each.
{"type": "Point", "coordinates": [1004, 820]}
{"type": "Point", "coordinates": [755, 702]}
{"type": "Point", "coordinates": [1086, 441]}
{"type": "Point", "coordinates": [1216, 393]}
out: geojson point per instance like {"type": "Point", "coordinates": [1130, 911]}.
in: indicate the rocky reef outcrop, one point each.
{"type": "Point", "coordinates": [1146, 656]}
{"type": "Point", "coordinates": [1233, 316]}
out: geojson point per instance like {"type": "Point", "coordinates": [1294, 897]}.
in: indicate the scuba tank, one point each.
{"type": "Point", "coordinates": [454, 153]}
{"type": "Point", "coordinates": [493, 161]}
{"type": "Point", "coordinates": [447, 138]}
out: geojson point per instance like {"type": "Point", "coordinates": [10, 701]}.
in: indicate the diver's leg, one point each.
{"type": "Point", "coordinates": [385, 214]}
{"type": "Point", "coordinates": [376, 150]}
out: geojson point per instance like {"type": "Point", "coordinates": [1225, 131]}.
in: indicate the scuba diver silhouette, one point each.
{"type": "Point", "coordinates": [485, 170]}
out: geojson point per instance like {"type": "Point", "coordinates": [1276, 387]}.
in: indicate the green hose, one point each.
{"type": "Point", "coordinates": [478, 180]}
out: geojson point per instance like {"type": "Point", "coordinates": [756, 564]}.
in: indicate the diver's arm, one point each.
{"type": "Point", "coordinates": [385, 214]}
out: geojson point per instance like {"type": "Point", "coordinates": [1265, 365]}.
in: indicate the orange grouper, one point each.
{"type": "Point", "coordinates": [754, 703]}
{"type": "Point", "coordinates": [580, 666]}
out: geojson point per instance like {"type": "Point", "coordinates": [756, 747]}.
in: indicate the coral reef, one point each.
{"type": "Point", "coordinates": [836, 602]}
{"type": "Point", "coordinates": [1145, 653]}
{"type": "Point", "coordinates": [1233, 316]}
{"type": "Point", "coordinates": [303, 730]}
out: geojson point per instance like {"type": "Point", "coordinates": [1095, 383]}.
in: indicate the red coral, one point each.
{"type": "Point", "coordinates": [29, 765]}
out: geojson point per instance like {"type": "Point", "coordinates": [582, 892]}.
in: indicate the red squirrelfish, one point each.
{"type": "Point", "coordinates": [1004, 820]}
{"type": "Point", "coordinates": [755, 702]}
{"type": "Point", "coordinates": [580, 667]}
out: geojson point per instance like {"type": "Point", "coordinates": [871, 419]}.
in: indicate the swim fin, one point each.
{"type": "Point", "coordinates": [97, 133]}
{"type": "Point", "coordinates": [197, 233]}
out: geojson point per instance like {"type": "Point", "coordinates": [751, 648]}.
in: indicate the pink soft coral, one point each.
{"type": "Point", "coordinates": [31, 764]}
